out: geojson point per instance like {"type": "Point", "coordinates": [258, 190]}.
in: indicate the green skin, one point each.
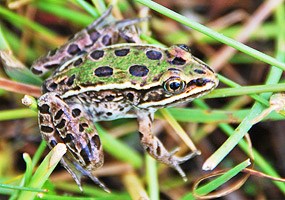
{"type": "Point", "coordinates": [69, 106]}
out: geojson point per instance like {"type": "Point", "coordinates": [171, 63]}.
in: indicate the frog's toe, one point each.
{"type": "Point", "coordinates": [176, 161]}
{"type": "Point", "coordinates": [99, 183]}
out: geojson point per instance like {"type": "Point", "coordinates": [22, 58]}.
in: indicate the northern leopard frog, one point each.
{"type": "Point", "coordinates": [95, 81]}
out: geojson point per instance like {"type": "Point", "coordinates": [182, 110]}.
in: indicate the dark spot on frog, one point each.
{"type": "Point", "coordinates": [96, 141]}
{"type": "Point", "coordinates": [44, 109]}
{"type": "Point", "coordinates": [53, 143]}
{"type": "Point", "coordinates": [85, 125]}
{"type": "Point", "coordinates": [158, 150]}
{"type": "Point", "coordinates": [61, 124]}
{"type": "Point", "coordinates": [121, 109]}
{"type": "Point", "coordinates": [62, 82]}
{"type": "Point", "coordinates": [81, 129]}
{"type": "Point", "coordinates": [138, 70]}
{"type": "Point", "coordinates": [52, 52]}
{"type": "Point", "coordinates": [103, 71]}
{"type": "Point", "coordinates": [174, 69]}
{"type": "Point", "coordinates": [68, 138]}
{"type": "Point", "coordinates": [130, 96]}
{"type": "Point", "coordinates": [106, 40]}
{"type": "Point", "coordinates": [199, 71]}
{"type": "Point", "coordinates": [58, 114]}
{"type": "Point", "coordinates": [53, 86]}
{"type": "Point", "coordinates": [97, 54]}
{"type": "Point", "coordinates": [45, 89]}
{"type": "Point", "coordinates": [109, 114]}
{"type": "Point", "coordinates": [76, 112]}
{"type": "Point", "coordinates": [77, 62]}
{"type": "Point", "coordinates": [154, 55]}
{"type": "Point", "coordinates": [110, 97]}
{"type": "Point", "coordinates": [201, 81]}
{"type": "Point", "coordinates": [85, 154]}
{"type": "Point", "coordinates": [122, 52]}
{"type": "Point", "coordinates": [94, 36]}
{"type": "Point", "coordinates": [168, 54]}
{"type": "Point", "coordinates": [46, 129]}
{"type": "Point", "coordinates": [98, 114]}
{"type": "Point", "coordinates": [51, 66]}
{"type": "Point", "coordinates": [36, 71]}
{"type": "Point", "coordinates": [73, 49]}
{"type": "Point", "coordinates": [178, 61]}
{"type": "Point", "coordinates": [70, 81]}
{"type": "Point", "coordinates": [198, 82]}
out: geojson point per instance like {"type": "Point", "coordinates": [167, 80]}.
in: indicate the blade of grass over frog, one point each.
{"type": "Point", "coordinates": [245, 90]}
{"type": "Point", "coordinates": [20, 20]}
{"type": "Point", "coordinates": [68, 14]}
{"type": "Point", "coordinates": [58, 197]}
{"type": "Point", "coordinates": [89, 8]}
{"type": "Point", "coordinates": [214, 184]}
{"type": "Point", "coordinates": [178, 129]}
{"type": "Point", "coordinates": [228, 41]}
{"type": "Point", "coordinates": [212, 116]}
{"type": "Point", "coordinates": [151, 176]}
{"type": "Point", "coordinates": [17, 114]}
{"type": "Point", "coordinates": [118, 149]}
{"type": "Point", "coordinates": [272, 78]}
{"type": "Point", "coordinates": [44, 170]}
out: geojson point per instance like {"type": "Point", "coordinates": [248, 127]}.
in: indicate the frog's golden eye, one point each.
{"type": "Point", "coordinates": [174, 85]}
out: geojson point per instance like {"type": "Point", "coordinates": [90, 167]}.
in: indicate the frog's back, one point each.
{"type": "Point", "coordinates": [117, 67]}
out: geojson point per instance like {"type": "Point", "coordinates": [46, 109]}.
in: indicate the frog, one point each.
{"type": "Point", "coordinates": [108, 82]}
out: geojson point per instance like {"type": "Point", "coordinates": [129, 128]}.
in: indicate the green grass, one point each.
{"type": "Point", "coordinates": [30, 184]}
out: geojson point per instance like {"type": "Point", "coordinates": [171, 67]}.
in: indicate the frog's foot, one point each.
{"type": "Point", "coordinates": [128, 31]}
{"type": "Point", "coordinates": [175, 161]}
{"type": "Point", "coordinates": [66, 122]}
{"type": "Point", "coordinates": [156, 149]}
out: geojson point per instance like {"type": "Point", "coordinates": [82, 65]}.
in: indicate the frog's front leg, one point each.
{"type": "Point", "coordinates": [156, 149]}
{"type": "Point", "coordinates": [67, 123]}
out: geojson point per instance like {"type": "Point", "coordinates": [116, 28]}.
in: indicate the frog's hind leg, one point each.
{"type": "Point", "coordinates": [156, 149]}
{"type": "Point", "coordinates": [68, 124]}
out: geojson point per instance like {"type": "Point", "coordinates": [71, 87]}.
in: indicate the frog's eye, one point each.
{"type": "Point", "coordinates": [174, 85]}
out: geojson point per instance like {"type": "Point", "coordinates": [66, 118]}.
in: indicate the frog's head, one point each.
{"type": "Point", "coordinates": [185, 79]}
